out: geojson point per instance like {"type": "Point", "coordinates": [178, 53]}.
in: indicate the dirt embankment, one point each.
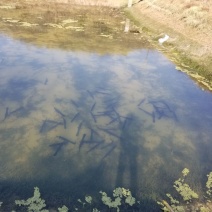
{"type": "Point", "coordinates": [189, 26]}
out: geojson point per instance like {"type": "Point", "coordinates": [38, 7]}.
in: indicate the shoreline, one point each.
{"type": "Point", "coordinates": [186, 47]}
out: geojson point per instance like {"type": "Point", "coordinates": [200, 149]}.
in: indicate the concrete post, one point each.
{"type": "Point", "coordinates": [127, 25]}
{"type": "Point", "coordinates": [129, 3]}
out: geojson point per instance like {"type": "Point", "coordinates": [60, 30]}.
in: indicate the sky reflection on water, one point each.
{"type": "Point", "coordinates": [129, 120]}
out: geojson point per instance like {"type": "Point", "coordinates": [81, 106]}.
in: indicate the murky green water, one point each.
{"type": "Point", "coordinates": [77, 122]}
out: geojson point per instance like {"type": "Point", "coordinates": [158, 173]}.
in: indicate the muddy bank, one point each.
{"type": "Point", "coordinates": [76, 28]}
{"type": "Point", "coordinates": [189, 26]}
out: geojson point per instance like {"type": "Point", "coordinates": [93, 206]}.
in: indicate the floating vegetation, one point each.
{"type": "Point", "coordinates": [88, 199]}
{"type": "Point", "coordinates": [118, 194]}
{"type": "Point", "coordinates": [209, 184]}
{"type": "Point", "coordinates": [183, 188]}
{"type": "Point", "coordinates": [188, 195]}
{"type": "Point", "coordinates": [34, 203]}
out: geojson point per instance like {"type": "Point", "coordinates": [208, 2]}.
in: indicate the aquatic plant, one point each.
{"type": "Point", "coordinates": [183, 188]}
{"type": "Point", "coordinates": [209, 184]}
{"type": "Point", "coordinates": [88, 199]}
{"type": "Point", "coordinates": [63, 209]}
{"type": "Point", "coordinates": [34, 204]}
{"type": "Point", "coordinates": [118, 194]}
{"type": "Point", "coordinates": [123, 198]}
{"type": "Point", "coordinates": [187, 195]}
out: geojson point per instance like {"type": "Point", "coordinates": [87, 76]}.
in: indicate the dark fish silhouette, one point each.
{"type": "Point", "coordinates": [109, 152]}
{"type": "Point", "coordinates": [108, 131]}
{"type": "Point", "coordinates": [141, 102]}
{"type": "Point", "coordinates": [148, 113]}
{"type": "Point", "coordinates": [127, 121]}
{"type": "Point", "coordinates": [59, 112]}
{"type": "Point", "coordinates": [94, 118]}
{"type": "Point", "coordinates": [6, 113]}
{"type": "Point", "coordinates": [66, 140]}
{"type": "Point", "coordinates": [74, 103]}
{"type": "Point", "coordinates": [153, 117]}
{"type": "Point", "coordinates": [64, 123]}
{"type": "Point", "coordinates": [91, 95]}
{"type": "Point", "coordinates": [117, 115]}
{"type": "Point", "coordinates": [124, 124]}
{"type": "Point", "coordinates": [79, 128]}
{"type": "Point", "coordinates": [42, 126]}
{"type": "Point", "coordinates": [49, 125]}
{"type": "Point", "coordinates": [58, 147]}
{"type": "Point", "coordinates": [75, 117]}
{"type": "Point", "coordinates": [93, 107]}
{"type": "Point", "coordinates": [82, 141]}
{"type": "Point", "coordinates": [104, 93]}
{"type": "Point", "coordinates": [46, 81]}
{"type": "Point", "coordinates": [108, 145]}
{"type": "Point", "coordinates": [95, 146]}
{"type": "Point", "coordinates": [17, 110]}
{"type": "Point", "coordinates": [113, 120]}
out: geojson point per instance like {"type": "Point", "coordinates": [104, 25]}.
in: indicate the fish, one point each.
{"type": "Point", "coordinates": [91, 136]}
{"type": "Point", "coordinates": [79, 128]}
{"type": "Point", "coordinates": [141, 102]}
{"type": "Point", "coordinates": [153, 117]}
{"type": "Point", "coordinates": [58, 147]}
{"type": "Point", "coordinates": [148, 113]}
{"type": "Point", "coordinates": [76, 115]}
{"type": "Point", "coordinates": [108, 145]}
{"type": "Point", "coordinates": [64, 123]}
{"type": "Point", "coordinates": [6, 113]}
{"type": "Point", "coordinates": [53, 124]}
{"type": "Point", "coordinates": [91, 95]}
{"type": "Point", "coordinates": [109, 152]}
{"type": "Point", "coordinates": [117, 114]}
{"type": "Point", "coordinates": [125, 123]}
{"type": "Point", "coordinates": [46, 81]}
{"type": "Point", "coordinates": [52, 121]}
{"type": "Point", "coordinates": [101, 92]}
{"type": "Point", "coordinates": [42, 126]}
{"type": "Point", "coordinates": [66, 140]}
{"type": "Point", "coordinates": [95, 146]}
{"type": "Point", "coordinates": [82, 141]}
{"type": "Point", "coordinates": [59, 112]}
{"type": "Point", "coordinates": [74, 103]}
{"type": "Point", "coordinates": [108, 131]}
{"type": "Point", "coordinates": [113, 120]}
{"type": "Point", "coordinates": [93, 107]}
{"type": "Point", "coordinates": [17, 110]}
{"type": "Point", "coordinates": [94, 118]}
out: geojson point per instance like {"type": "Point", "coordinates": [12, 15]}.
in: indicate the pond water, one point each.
{"type": "Point", "coordinates": [78, 121]}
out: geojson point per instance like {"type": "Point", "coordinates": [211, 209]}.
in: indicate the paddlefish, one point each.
{"type": "Point", "coordinates": [59, 112]}
{"type": "Point", "coordinates": [6, 113]}
{"type": "Point", "coordinates": [79, 128]}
